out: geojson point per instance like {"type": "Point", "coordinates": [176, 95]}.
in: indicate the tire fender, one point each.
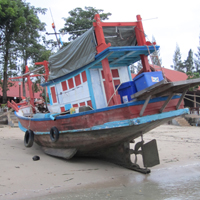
{"type": "Point", "coordinates": [54, 134]}
{"type": "Point", "coordinates": [28, 138]}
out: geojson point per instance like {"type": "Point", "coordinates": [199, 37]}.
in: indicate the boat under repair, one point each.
{"type": "Point", "coordinates": [95, 108]}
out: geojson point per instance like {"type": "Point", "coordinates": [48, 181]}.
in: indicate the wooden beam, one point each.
{"type": "Point", "coordinates": [145, 105]}
{"type": "Point", "coordinates": [166, 102]}
{"type": "Point", "coordinates": [121, 58]}
{"type": "Point", "coordinates": [182, 96]}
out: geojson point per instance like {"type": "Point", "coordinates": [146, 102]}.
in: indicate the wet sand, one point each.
{"type": "Point", "coordinates": [177, 177]}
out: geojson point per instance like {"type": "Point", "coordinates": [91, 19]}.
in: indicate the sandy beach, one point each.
{"type": "Point", "coordinates": [177, 176]}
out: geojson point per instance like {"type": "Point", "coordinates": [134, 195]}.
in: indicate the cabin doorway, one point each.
{"type": "Point", "coordinates": [116, 80]}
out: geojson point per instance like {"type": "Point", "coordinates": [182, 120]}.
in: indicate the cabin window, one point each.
{"type": "Point", "coordinates": [64, 85]}
{"type": "Point", "coordinates": [89, 103]}
{"type": "Point", "coordinates": [53, 94]}
{"type": "Point", "coordinates": [84, 77]}
{"type": "Point", "coordinates": [62, 109]}
{"type": "Point", "coordinates": [71, 83]}
{"type": "Point", "coordinates": [82, 104]}
{"type": "Point", "coordinates": [115, 73]}
{"type": "Point", "coordinates": [78, 80]}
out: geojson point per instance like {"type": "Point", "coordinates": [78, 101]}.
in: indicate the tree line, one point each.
{"type": "Point", "coordinates": [23, 41]}
{"type": "Point", "coordinates": [190, 66]}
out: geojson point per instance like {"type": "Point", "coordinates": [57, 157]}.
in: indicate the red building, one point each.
{"type": "Point", "coordinates": [15, 92]}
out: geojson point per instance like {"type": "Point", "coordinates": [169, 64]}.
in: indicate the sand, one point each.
{"type": "Point", "coordinates": [23, 178]}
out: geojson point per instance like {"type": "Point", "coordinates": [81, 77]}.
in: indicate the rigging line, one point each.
{"type": "Point", "coordinates": [51, 15]}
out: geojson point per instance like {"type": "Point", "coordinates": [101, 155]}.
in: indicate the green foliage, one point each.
{"type": "Point", "coordinates": [188, 63]}
{"type": "Point", "coordinates": [81, 20]}
{"type": "Point", "coordinates": [178, 65]}
{"type": "Point", "coordinates": [11, 16]}
{"type": "Point", "coordinates": [155, 56]}
{"type": "Point", "coordinates": [193, 75]}
{"type": "Point", "coordinates": [197, 59]}
{"type": "Point", "coordinates": [20, 38]}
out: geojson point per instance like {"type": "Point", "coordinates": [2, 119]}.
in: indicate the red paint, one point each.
{"type": "Point", "coordinates": [140, 36]}
{"type": "Point", "coordinates": [99, 118]}
{"type": "Point", "coordinates": [64, 85]}
{"type": "Point", "coordinates": [116, 82]}
{"type": "Point", "coordinates": [62, 109]}
{"type": "Point", "coordinates": [89, 103]}
{"type": "Point", "coordinates": [101, 43]}
{"type": "Point", "coordinates": [82, 104]}
{"type": "Point", "coordinates": [78, 80]}
{"type": "Point", "coordinates": [102, 74]}
{"type": "Point", "coordinates": [75, 105]}
{"type": "Point", "coordinates": [71, 83]}
{"type": "Point", "coordinates": [10, 105]}
{"type": "Point", "coordinates": [45, 64]}
{"type": "Point", "coordinates": [108, 84]}
{"type": "Point", "coordinates": [115, 73]}
{"type": "Point", "coordinates": [53, 94]}
{"type": "Point", "coordinates": [84, 77]}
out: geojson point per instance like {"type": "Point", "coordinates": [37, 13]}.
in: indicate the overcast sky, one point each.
{"type": "Point", "coordinates": [177, 21]}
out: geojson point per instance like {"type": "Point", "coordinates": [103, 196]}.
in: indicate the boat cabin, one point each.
{"type": "Point", "coordinates": [105, 53]}
{"type": "Point", "coordinates": [93, 70]}
{"type": "Point", "coordinates": [84, 89]}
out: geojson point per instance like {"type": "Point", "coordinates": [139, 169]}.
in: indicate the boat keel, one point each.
{"type": "Point", "coordinates": [121, 155]}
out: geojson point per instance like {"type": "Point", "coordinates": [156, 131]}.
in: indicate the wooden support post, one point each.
{"type": "Point", "coordinates": [109, 89]}
{"type": "Point", "coordinates": [145, 105]}
{"type": "Point", "coordinates": [166, 102]}
{"type": "Point", "coordinates": [182, 96]}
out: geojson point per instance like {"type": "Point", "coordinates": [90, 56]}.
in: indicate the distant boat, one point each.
{"type": "Point", "coordinates": [96, 109]}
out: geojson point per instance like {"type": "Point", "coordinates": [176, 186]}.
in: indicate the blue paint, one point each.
{"type": "Point", "coordinates": [21, 127]}
{"type": "Point", "coordinates": [158, 99]}
{"type": "Point", "coordinates": [129, 73]}
{"type": "Point", "coordinates": [50, 97]}
{"type": "Point", "coordinates": [68, 106]}
{"type": "Point", "coordinates": [124, 123]}
{"type": "Point", "coordinates": [90, 88]}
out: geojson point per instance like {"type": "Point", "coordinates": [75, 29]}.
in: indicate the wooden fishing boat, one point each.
{"type": "Point", "coordinates": [96, 109]}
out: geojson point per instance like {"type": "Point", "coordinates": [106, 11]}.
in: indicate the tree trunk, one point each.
{"type": "Point", "coordinates": [5, 77]}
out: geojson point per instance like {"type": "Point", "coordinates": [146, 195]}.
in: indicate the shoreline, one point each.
{"type": "Point", "coordinates": [23, 178]}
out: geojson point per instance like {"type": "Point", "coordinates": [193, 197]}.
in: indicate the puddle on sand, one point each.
{"type": "Point", "coordinates": [174, 183]}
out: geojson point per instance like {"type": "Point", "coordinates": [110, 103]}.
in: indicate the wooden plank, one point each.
{"type": "Point", "coordinates": [145, 105]}
{"type": "Point", "coordinates": [163, 89]}
{"type": "Point", "coordinates": [121, 58]}
{"type": "Point", "coordinates": [182, 96]}
{"type": "Point", "coordinates": [166, 102]}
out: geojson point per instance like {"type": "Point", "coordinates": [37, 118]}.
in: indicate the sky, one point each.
{"type": "Point", "coordinates": [170, 22]}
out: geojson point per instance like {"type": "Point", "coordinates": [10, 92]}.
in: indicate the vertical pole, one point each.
{"type": "Point", "coordinates": [101, 45]}
{"type": "Point", "coordinates": [19, 91]}
{"type": "Point", "coordinates": [141, 41]}
{"type": "Point", "coordinates": [29, 82]}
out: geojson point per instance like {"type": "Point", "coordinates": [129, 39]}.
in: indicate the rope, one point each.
{"type": "Point", "coordinates": [114, 93]}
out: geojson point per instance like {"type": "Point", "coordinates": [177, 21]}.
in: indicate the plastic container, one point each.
{"type": "Point", "coordinates": [147, 79]}
{"type": "Point", "coordinates": [126, 90]}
